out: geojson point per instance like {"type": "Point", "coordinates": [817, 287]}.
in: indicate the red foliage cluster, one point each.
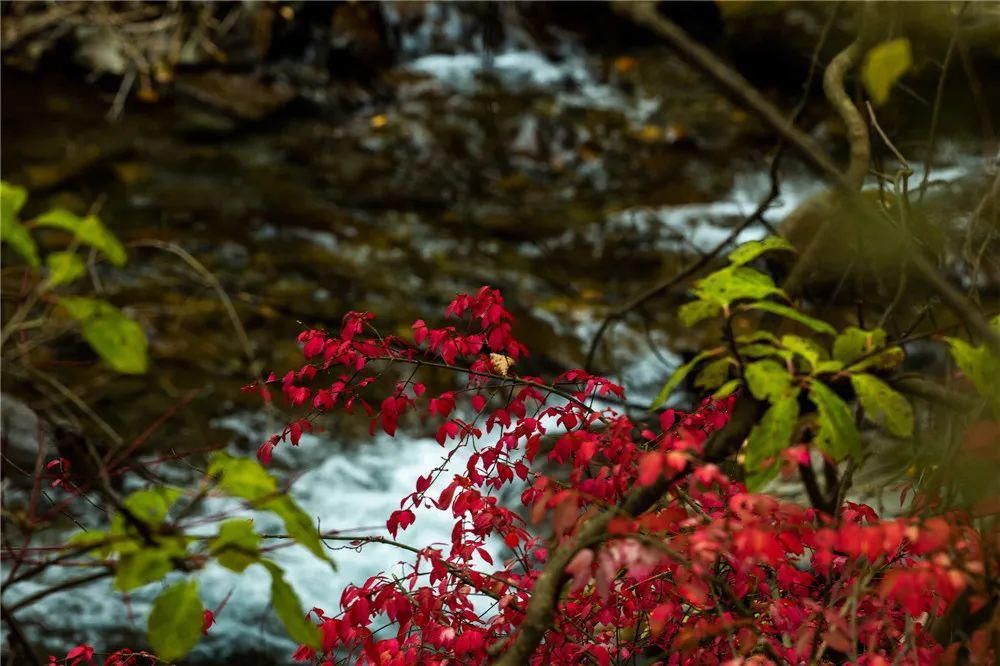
{"type": "Point", "coordinates": [711, 574]}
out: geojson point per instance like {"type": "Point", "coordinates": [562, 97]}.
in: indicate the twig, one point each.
{"type": "Point", "coordinates": [17, 633]}
{"type": "Point", "coordinates": [212, 281]}
{"type": "Point", "coordinates": [689, 270]}
{"type": "Point", "coordinates": [885, 139]}
{"type": "Point", "coordinates": [59, 587]}
{"type": "Point", "coordinates": [935, 112]}
{"type": "Point", "coordinates": [77, 401]}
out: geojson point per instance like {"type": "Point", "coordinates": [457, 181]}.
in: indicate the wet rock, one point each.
{"type": "Point", "coordinates": [23, 431]}
{"type": "Point", "coordinates": [243, 96]}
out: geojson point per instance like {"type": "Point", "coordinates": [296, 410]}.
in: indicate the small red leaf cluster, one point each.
{"type": "Point", "coordinates": [711, 574]}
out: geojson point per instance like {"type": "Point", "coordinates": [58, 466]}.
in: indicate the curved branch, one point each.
{"type": "Point", "coordinates": [860, 150]}
{"type": "Point", "coordinates": [854, 122]}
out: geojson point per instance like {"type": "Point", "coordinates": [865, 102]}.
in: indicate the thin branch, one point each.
{"type": "Point", "coordinates": [935, 113]}
{"type": "Point", "coordinates": [689, 270]}
{"type": "Point", "coordinates": [59, 587]}
{"type": "Point", "coordinates": [213, 282]}
{"type": "Point", "coordinates": [18, 635]}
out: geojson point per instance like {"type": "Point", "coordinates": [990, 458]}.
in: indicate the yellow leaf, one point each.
{"type": "Point", "coordinates": [883, 66]}
{"type": "Point", "coordinates": [501, 364]}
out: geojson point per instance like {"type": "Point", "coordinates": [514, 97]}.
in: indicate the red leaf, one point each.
{"type": "Point", "coordinates": [650, 466]}
{"type": "Point", "coordinates": [207, 620]}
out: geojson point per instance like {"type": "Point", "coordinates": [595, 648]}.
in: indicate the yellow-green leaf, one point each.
{"type": "Point", "coordinates": [696, 311]}
{"type": "Point", "coordinates": [853, 343]}
{"type": "Point", "coordinates": [884, 405]}
{"type": "Point", "coordinates": [64, 267]}
{"type": "Point", "coordinates": [804, 347]}
{"type": "Point", "coordinates": [837, 435]}
{"type": "Point", "coordinates": [773, 433]}
{"type": "Point", "coordinates": [714, 374]}
{"type": "Point", "coordinates": [767, 380]}
{"type": "Point", "coordinates": [678, 377]}
{"type": "Point", "coordinates": [237, 545]}
{"type": "Point", "coordinates": [757, 336]}
{"type": "Point", "coordinates": [793, 314]}
{"type": "Point", "coordinates": [242, 477]}
{"type": "Point", "coordinates": [733, 284]}
{"type": "Point", "coordinates": [981, 366]}
{"type": "Point", "coordinates": [151, 505]}
{"type": "Point", "coordinates": [246, 478]}
{"type": "Point", "coordinates": [298, 524]}
{"type": "Point", "coordinates": [175, 621]}
{"type": "Point", "coordinates": [95, 538]}
{"type": "Point", "coordinates": [143, 566]}
{"type": "Point", "coordinates": [726, 389]}
{"type": "Point", "coordinates": [749, 251]}
{"type": "Point", "coordinates": [117, 339]}
{"type": "Point", "coordinates": [289, 610]}
{"type": "Point", "coordinates": [12, 199]}
{"type": "Point", "coordinates": [88, 230]}
{"type": "Point", "coordinates": [884, 64]}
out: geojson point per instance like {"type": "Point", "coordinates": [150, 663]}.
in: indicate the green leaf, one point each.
{"type": "Point", "coordinates": [714, 374]}
{"type": "Point", "coordinates": [891, 358]}
{"type": "Point", "coordinates": [696, 311]}
{"type": "Point", "coordinates": [884, 405]}
{"type": "Point", "coordinates": [118, 340]}
{"type": "Point", "coordinates": [151, 505]}
{"type": "Point", "coordinates": [246, 478]}
{"type": "Point", "coordinates": [726, 389]}
{"type": "Point", "coordinates": [64, 267]}
{"type": "Point", "coordinates": [759, 344]}
{"type": "Point", "coordinates": [678, 377]}
{"type": "Point", "coordinates": [242, 477]}
{"type": "Point", "coordinates": [773, 433]}
{"type": "Point", "coordinates": [756, 479]}
{"type": "Point", "coordinates": [837, 435]}
{"type": "Point", "coordinates": [804, 347]}
{"type": "Point", "coordinates": [175, 621]}
{"type": "Point", "coordinates": [237, 546]}
{"type": "Point", "coordinates": [757, 336]}
{"type": "Point", "coordinates": [767, 380]}
{"type": "Point", "coordinates": [12, 199]}
{"type": "Point", "coordinates": [749, 251]}
{"type": "Point", "coordinates": [884, 64]}
{"type": "Point", "coordinates": [855, 342]}
{"type": "Point", "coordinates": [760, 351]}
{"type": "Point", "coordinates": [88, 230]}
{"type": "Point", "coordinates": [95, 538]}
{"type": "Point", "coordinates": [141, 567]}
{"type": "Point", "coordinates": [124, 535]}
{"type": "Point", "coordinates": [980, 365]}
{"type": "Point", "coordinates": [289, 610]}
{"type": "Point", "coordinates": [733, 284]}
{"type": "Point", "coordinates": [828, 367]}
{"type": "Point", "coordinates": [298, 524]}
{"type": "Point", "coordinates": [794, 315]}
